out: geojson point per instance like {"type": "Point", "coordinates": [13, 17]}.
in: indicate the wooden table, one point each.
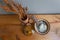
{"type": "Point", "coordinates": [11, 29]}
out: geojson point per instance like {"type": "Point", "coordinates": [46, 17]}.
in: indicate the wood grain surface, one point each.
{"type": "Point", "coordinates": [11, 29]}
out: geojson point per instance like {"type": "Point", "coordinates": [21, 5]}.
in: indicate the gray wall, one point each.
{"type": "Point", "coordinates": [41, 6]}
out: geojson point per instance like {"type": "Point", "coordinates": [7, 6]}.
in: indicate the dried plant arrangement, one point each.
{"type": "Point", "coordinates": [17, 8]}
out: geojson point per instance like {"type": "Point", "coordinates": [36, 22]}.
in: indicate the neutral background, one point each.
{"type": "Point", "coordinates": [41, 6]}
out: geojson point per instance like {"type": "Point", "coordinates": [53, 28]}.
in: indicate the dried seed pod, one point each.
{"type": "Point", "coordinates": [31, 21]}
{"type": "Point", "coordinates": [28, 30]}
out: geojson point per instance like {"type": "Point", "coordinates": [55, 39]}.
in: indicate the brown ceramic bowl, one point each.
{"type": "Point", "coordinates": [39, 27]}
